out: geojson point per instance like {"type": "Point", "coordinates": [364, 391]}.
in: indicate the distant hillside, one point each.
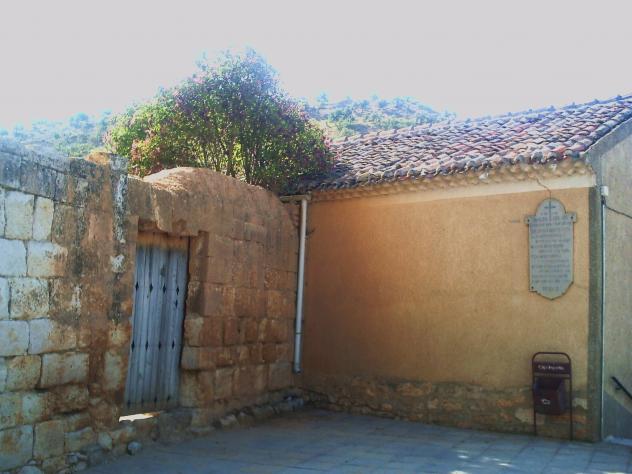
{"type": "Point", "coordinates": [76, 136]}
{"type": "Point", "coordinates": [352, 117]}
{"type": "Point", "coordinates": [83, 133]}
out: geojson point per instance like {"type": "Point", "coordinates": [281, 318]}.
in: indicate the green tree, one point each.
{"type": "Point", "coordinates": [232, 117]}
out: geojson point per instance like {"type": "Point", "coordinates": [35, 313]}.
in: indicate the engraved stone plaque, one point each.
{"type": "Point", "coordinates": [551, 249]}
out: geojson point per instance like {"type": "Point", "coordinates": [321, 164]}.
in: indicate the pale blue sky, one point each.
{"type": "Point", "coordinates": [470, 57]}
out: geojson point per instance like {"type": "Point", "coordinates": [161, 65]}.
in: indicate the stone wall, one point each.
{"type": "Point", "coordinates": [242, 282]}
{"type": "Point", "coordinates": [462, 405]}
{"type": "Point", "coordinates": [68, 229]}
{"type": "Point", "coordinates": [61, 223]}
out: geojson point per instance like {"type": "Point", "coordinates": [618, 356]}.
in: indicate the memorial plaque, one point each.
{"type": "Point", "coordinates": [551, 249]}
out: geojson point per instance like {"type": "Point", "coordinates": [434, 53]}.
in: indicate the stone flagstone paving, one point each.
{"type": "Point", "coordinates": [321, 441]}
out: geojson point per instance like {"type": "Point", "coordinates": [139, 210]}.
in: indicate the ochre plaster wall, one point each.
{"type": "Point", "coordinates": [424, 308]}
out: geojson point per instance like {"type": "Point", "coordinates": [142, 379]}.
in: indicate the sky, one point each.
{"type": "Point", "coordinates": [473, 58]}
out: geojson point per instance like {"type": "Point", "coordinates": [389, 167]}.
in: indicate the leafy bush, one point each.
{"type": "Point", "coordinates": [232, 117]}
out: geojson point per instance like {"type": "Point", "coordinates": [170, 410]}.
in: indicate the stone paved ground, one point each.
{"type": "Point", "coordinates": [320, 441]}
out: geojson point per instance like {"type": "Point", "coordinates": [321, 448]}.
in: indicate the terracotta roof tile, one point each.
{"type": "Point", "coordinates": [539, 136]}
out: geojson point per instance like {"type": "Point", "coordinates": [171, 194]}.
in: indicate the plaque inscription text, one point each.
{"type": "Point", "coordinates": [551, 249]}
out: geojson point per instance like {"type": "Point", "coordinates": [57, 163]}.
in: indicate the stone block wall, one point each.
{"type": "Point", "coordinates": [59, 222]}
{"type": "Point", "coordinates": [239, 320]}
{"type": "Point", "coordinates": [68, 232]}
{"type": "Point", "coordinates": [462, 405]}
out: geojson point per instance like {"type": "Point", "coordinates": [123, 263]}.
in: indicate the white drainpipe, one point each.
{"type": "Point", "coordinates": [301, 279]}
{"type": "Point", "coordinates": [604, 194]}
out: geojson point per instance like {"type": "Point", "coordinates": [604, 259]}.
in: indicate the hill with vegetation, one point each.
{"type": "Point", "coordinates": [352, 117]}
{"type": "Point", "coordinates": [76, 136]}
{"type": "Point", "coordinates": [83, 133]}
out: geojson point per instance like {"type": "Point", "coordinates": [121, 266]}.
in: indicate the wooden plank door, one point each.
{"type": "Point", "coordinates": [156, 344]}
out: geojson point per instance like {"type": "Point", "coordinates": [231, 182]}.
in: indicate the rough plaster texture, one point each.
{"type": "Point", "coordinates": [423, 309]}
{"type": "Point", "coordinates": [613, 161]}
{"type": "Point", "coordinates": [68, 230]}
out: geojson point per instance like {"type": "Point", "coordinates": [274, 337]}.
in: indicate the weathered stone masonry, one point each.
{"type": "Point", "coordinates": [68, 229]}
{"type": "Point", "coordinates": [60, 300]}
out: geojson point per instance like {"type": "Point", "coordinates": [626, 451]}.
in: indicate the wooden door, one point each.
{"type": "Point", "coordinates": [159, 295]}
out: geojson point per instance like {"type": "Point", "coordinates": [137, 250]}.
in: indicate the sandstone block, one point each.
{"type": "Point", "coordinates": [13, 261]}
{"type": "Point", "coordinates": [280, 375]}
{"type": "Point", "coordinates": [212, 331]}
{"type": "Point", "coordinates": [224, 357]}
{"type": "Point", "coordinates": [68, 398]}
{"type": "Point", "coordinates": [213, 300]}
{"type": "Point", "coordinates": [47, 335]}
{"type": "Point", "coordinates": [77, 440]}
{"type": "Point", "coordinates": [255, 232]}
{"type": "Point", "coordinates": [18, 208]}
{"type": "Point", "coordinates": [232, 333]}
{"type": "Point", "coordinates": [103, 413]}
{"type": "Point", "coordinates": [10, 409]}
{"type": "Point", "coordinates": [29, 298]}
{"type": "Point", "coordinates": [244, 381]}
{"type": "Point", "coordinates": [115, 369]}
{"type": "Point", "coordinates": [250, 329]}
{"type": "Point", "coordinates": [241, 354]}
{"type": "Point", "coordinates": [197, 358]}
{"type": "Point", "coordinates": [206, 387]}
{"type": "Point", "coordinates": [23, 373]}
{"type": "Point", "coordinates": [37, 179]}
{"type": "Point", "coordinates": [250, 303]}
{"type": "Point", "coordinates": [66, 221]}
{"type": "Point", "coordinates": [280, 304]}
{"type": "Point", "coordinates": [199, 247]}
{"type": "Point", "coordinates": [49, 439]}
{"type": "Point", "coordinates": [260, 379]}
{"type": "Point", "coordinates": [4, 298]}
{"type": "Point", "coordinates": [76, 421]}
{"type": "Point", "coordinates": [35, 407]}
{"type": "Point", "coordinates": [14, 338]}
{"type": "Point", "coordinates": [217, 269]}
{"type": "Point", "coordinates": [192, 329]}
{"type": "Point", "coordinates": [61, 369]}
{"type": "Point", "coordinates": [46, 259]}
{"type": "Point", "coordinates": [278, 330]}
{"type": "Point", "coordinates": [119, 334]}
{"type": "Point", "coordinates": [268, 352]}
{"type": "Point", "coordinates": [256, 353]}
{"type": "Point", "coordinates": [65, 299]}
{"type": "Point", "coordinates": [188, 389]}
{"type": "Point", "coordinates": [224, 383]}
{"type": "Point", "coordinates": [43, 219]}
{"type": "Point", "coordinates": [16, 447]}
{"type": "Point", "coordinates": [283, 352]}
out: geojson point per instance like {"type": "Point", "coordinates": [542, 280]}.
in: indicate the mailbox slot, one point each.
{"type": "Point", "coordinates": [549, 396]}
